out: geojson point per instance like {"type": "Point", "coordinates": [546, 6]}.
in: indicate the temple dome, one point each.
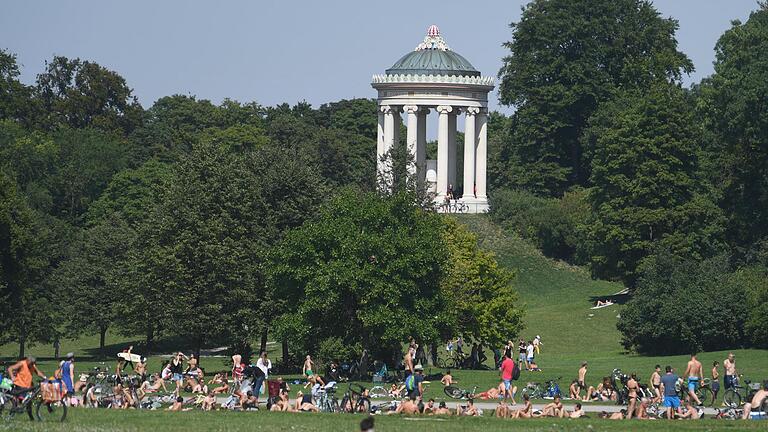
{"type": "Point", "coordinates": [433, 57]}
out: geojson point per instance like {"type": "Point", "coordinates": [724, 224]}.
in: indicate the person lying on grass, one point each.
{"type": "Point", "coordinates": [147, 387]}
{"type": "Point", "coordinates": [220, 380]}
{"type": "Point", "coordinates": [283, 402]}
{"type": "Point", "coordinates": [470, 410]}
{"type": "Point", "coordinates": [491, 393]}
{"type": "Point", "coordinates": [612, 416]}
{"type": "Point", "coordinates": [526, 411]}
{"type": "Point", "coordinates": [304, 403]}
{"type": "Point", "coordinates": [577, 412]}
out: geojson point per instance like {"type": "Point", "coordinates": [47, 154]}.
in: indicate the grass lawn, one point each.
{"type": "Point", "coordinates": [115, 420]}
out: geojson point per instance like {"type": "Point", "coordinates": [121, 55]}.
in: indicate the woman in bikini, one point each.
{"type": "Point", "coordinates": [221, 380]}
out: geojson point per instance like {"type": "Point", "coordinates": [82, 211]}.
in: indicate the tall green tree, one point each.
{"type": "Point", "coordinates": [733, 107]}
{"type": "Point", "coordinates": [366, 271]}
{"type": "Point", "coordinates": [26, 306]}
{"type": "Point", "coordinates": [646, 191]}
{"type": "Point", "coordinates": [566, 58]}
{"type": "Point", "coordinates": [15, 97]}
{"type": "Point", "coordinates": [81, 94]}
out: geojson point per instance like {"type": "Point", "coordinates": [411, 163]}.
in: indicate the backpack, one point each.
{"type": "Point", "coordinates": [515, 372]}
{"type": "Point", "coordinates": [410, 383]}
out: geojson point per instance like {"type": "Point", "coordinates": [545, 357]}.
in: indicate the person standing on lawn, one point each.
{"type": "Point", "coordinates": [730, 371]}
{"type": "Point", "coordinates": [507, 372]}
{"type": "Point", "coordinates": [715, 385]}
{"type": "Point", "coordinates": [655, 382]}
{"type": "Point", "coordinates": [582, 378]}
{"type": "Point", "coordinates": [671, 399]}
{"type": "Point", "coordinates": [265, 364]}
{"type": "Point", "coordinates": [694, 373]}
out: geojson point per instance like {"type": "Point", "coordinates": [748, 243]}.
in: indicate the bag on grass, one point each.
{"type": "Point", "coordinates": [50, 391]}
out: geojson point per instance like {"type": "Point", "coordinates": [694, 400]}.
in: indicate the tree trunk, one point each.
{"type": "Point", "coordinates": [56, 347]}
{"type": "Point", "coordinates": [102, 340]}
{"type": "Point", "coordinates": [432, 355]}
{"type": "Point", "coordinates": [285, 352]}
{"type": "Point", "coordinates": [22, 346]}
{"type": "Point", "coordinates": [264, 334]}
{"type": "Point", "coordinates": [150, 340]}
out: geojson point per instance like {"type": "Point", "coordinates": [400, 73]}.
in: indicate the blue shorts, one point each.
{"type": "Point", "coordinates": [693, 382]}
{"type": "Point", "coordinates": [530, 359]}
{"type": "Point", "coordinates": [178, 377]}
{"type": "Point", "coordinates": [521, 357]}
{"type": "Point", "coordinates": [507, 384]}
{"type": "Point", "coordinates": [672, 402]}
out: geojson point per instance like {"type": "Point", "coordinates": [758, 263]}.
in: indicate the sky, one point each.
{"type": "Point", "coordinates": [288, 50]}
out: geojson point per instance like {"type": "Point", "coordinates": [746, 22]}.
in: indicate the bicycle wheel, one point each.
{"type": "Point", "coordinates": [363, 406]}
{"type": "Point", "coordinates": [705, 395]}
{"type": "Point", "coordinates": [453, 392]}
{"type": "Point", "coordinates": [378, 392]}
{"type": "Point", "coordinates": [50, 411]}
{"type": "Point", "coordinates": [7, 405]}
{"type": "Point", "coordinates": [732, 398]}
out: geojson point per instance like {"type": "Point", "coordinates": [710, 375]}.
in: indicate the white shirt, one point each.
{"type": "Point", "coordinates": [264, 367]}
{"type": "Point", "coordinates": [529, 350]}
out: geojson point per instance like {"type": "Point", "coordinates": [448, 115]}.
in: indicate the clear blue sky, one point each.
{"type": "Point", "coordinates": [274, 51]}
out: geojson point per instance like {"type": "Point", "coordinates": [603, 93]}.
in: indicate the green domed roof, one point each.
{"type": "Point", "coordinates": [433, 57]}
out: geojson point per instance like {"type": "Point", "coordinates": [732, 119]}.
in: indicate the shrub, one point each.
{"type": "Point", "coordinates": [553, 225]}
{"type": "Point", "coordinates": [683, 306]}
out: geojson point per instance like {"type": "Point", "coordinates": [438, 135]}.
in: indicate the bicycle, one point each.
{"type": "Point", "coordinates": [454, 361]}
{"type": "Point", "coordinates": [735, 396]}
{"type": "Point", "coordinates": [703, 391]}
{"type": "Point", "coordinates": [50, 408]}
{"type": "Point", "coordinates": [550, 389]}
{"type": "Point", "coordinates": [355, 400]}
{"type": "Point", "coordinates": [327, 401]}
{"type": "Point", "coordinates": [455, 392]}
{"type": "Point", "coordinates": [378, 392]}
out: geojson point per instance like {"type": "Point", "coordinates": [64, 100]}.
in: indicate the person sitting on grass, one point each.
{"type": "Point", "coordinates": [502, 409]}
{"type": "Point", "coordinates": [469, 411]}
{"type": "Point", "coordinates": [577, 412]}
{"type": "Point", "coordinates": [147, 387]}
{"type": "Point", "coordinates": [220, 379]}
{"type": "Point", "coordinates": [554, 409]}
{"type": "Point", "coordinates": [756, 402]}
{"type": "Point", "coordinates": [209, 403]}
{"type": "Point", "coordinates": [442, 409]}
{"type": "Point", "coordinates": [573, 390]}
{"type": "Point", "coordinates": [304, 403]}
{"type": "Point", "coordinates": [447, 379]}
{"type": "Point", "coordinates": [408, 406]}
{"type": "Point", "coordinates": [283, 402]}
{"type": "Point", "coordinates": [533, 366]}
{"type": "Point", "coordinates": [690, 412]}
{"type": "Point", "coordinates": [250, 401]}
{"type": "Point", "coordinates": [178, 405]}
{"type": "Point", "coordinates": [430, 407]}
{"type": "Point", "coordinates": [526, 411]}
{"type": "Point", "coordinates": [396, 391]}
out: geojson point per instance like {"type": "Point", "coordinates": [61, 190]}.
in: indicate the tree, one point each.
{"type": "Point", "coordinates": [733, 106]}
{"type": "Point", "coordinates": [15, 97]}
{"type": "Point", "coordinates": [565, 61]}
{"type": "Point", "coordinates": [482, 302]}
{"type": "Point", "coordinates": [678, 307]}
{"type": "Point", "coordinates": [646, 191]}
{"type": "Point", "coordinates": [357, 116]}
{"type": "Point", "coordinates": [24, 262]}
{"type": "Point", "coordinates": [90, 281]}
{"type": "Point", "coordinates": [81, 94]}
{"type": "Point", "coordinates": [366, 270]}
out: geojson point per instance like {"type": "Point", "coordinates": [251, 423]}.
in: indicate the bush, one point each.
{"type": "Point", "coordinates": [553, 225]}
{"type": "Point", "coordinates": [684, 306]}
{"type": "Point", "coordinates": [755, 282]}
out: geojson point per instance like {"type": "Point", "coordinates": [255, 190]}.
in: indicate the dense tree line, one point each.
{"type": "Point", "coordinates": [183, 220]}
{"type": "Point", "coordinates": [609, 162]}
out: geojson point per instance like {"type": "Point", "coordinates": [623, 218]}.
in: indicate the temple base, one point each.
{"type": "Point", "coordinates": [462, 205]}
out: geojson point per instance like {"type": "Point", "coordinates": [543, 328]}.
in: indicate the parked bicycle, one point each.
{"type": "Point", "coordinates": [455, 392]}
{"type": "Point", "coordinates": [326, 400]}
{"type": "Point", "coordinates": [739, 394]}
{"type": "Point", "coordinates": [548, 390]}
{"type": "Point", "coordinates": [355, 400]}
{"type": "Point", "coordinates": [48, 408]}
{"type": "Point", "coordinates": [454, 361]}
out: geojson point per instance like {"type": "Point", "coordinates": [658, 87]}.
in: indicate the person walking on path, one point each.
{"type": "Point", "coordinates": [507, 372]}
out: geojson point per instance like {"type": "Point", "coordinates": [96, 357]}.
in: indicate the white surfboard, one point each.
{"type": "Point", "coordinates": [134, 358]}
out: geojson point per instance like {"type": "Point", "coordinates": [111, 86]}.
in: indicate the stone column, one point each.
{"type": "Point", "coordinates": [452, 148]}
{"type": "Point", "coordinates": [412, 136]}
{"type": "Point", "coordinates": [482, 153]}
{"type": "Point", "coordinates": [469, 153]}
{"type": "Point", "coordinates": [442, 151]}
{"type": "Point", "coordinates": [421, 144]}
{"type": "Point", "coordinates": [389, 142]}
{"type": "Point", "coordinates": [380, 140]}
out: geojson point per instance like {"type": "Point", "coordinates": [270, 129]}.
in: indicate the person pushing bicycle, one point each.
{"type": "Point", "coordinates": [21, 375]}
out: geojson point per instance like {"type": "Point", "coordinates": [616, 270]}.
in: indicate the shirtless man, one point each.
{"type": "Point", "coordinates": [577, 412]}
{"type": "Point", "coordinates": [632, 388]}
{"type": "Point", "coordinates": [582, 378]}
{"type": "Point", "coordinates": [469, 411]}
{"type": "Point", "coordinates": [691, 412]}
{"type": "Point", "coordinates": [526, 411]}
{"type": "Point", "coordinates": [408, 407]}
{"type": "Point", "coordinates": [715, 384]}
{"type": "Point", "coordinates": [430, 407]}
{"type": "Point", "coordinates": [655, 383]}
{"type": "Point", "coordinates": [694, 374]}
{"type": "Point", "coordinates": [146, 387]}
{"type": "Point", "coordinates": [492, 393]}
{"type": "Point", "coordinates": [757, 401]}
{"type": "Point", "coordinates": [209, 403]}
{"type": "Point", "coordinates": [447, 379]}
{"type": "Point", "coordinates": [442, 409]}
{"type": "Point", "coordinates": [308, 371]}
{"type": "Point", "coordinates": [554, 409]}
{"type": "Point", "coordinates": [730, 371]}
